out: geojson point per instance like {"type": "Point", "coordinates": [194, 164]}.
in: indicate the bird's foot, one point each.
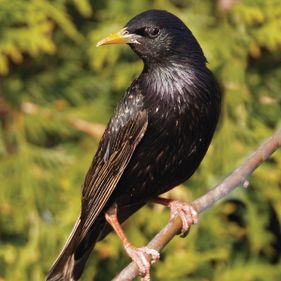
{"type": "Point", "coordinates": [139, 256]}
{"type": "Point", "coordinates": [186, 212]}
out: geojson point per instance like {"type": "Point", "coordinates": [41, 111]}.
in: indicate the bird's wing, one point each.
{"type": "Point", "coordinates": [113, 155]}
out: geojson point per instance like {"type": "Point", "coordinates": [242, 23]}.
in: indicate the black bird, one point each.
{"type": "Point", "coordinates": [155, 140]}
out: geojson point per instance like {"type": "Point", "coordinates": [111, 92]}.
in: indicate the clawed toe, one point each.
{"type": "Point", "coordinates": [139, 256]}
{"type": "Point", "coordinates": [187, 214]}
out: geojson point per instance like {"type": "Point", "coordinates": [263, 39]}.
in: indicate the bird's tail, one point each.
{"type": "Point", "coordinates": [71, 261]}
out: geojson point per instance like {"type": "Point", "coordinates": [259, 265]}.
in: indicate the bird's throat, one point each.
{"type": "Point", "coordinates": [170, 81]}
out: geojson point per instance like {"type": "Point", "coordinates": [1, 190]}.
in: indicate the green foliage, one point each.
{"type": "Point", "coordinates": [52, 74]}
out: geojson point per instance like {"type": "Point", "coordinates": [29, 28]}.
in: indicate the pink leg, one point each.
{"type": "Point", "coordinates": [138, 255]}
{"type": "Point", "coordinates": [178, 208]}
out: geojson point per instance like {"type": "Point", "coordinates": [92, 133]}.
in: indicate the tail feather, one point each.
{"type": "Point", "coordinates": [71, 261]}
{"type": "Point", "coordinates": [64, 263]}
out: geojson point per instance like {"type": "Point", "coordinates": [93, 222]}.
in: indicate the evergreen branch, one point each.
{"type": "Point", "coordinates": [236, 178]}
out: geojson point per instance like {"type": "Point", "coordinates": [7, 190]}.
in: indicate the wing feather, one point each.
{"type": "Point", "coordinates": [108, 167]}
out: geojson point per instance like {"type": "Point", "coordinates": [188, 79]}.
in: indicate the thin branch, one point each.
{"type": "Point", "coordinates": [92, 129]}
{"type": "Point", "coordinates": [235, 179]}
{"type": "Point", "coordinates": [226, 5]}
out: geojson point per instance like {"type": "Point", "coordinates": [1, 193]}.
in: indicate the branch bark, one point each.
{"type": "Point", "coordinates": [237, 178]}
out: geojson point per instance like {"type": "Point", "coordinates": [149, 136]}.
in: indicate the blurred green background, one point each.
{"type": "Point", "coordinates": [57, 91]}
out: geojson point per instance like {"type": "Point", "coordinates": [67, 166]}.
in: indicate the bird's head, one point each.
{"type": "Point", "coordinates": [158, 36]}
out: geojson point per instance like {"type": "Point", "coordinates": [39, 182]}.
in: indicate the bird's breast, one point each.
{"type": "Point", "coordinates": [164, 157]}
{"type": "Point", "coordinates": [179, 132]}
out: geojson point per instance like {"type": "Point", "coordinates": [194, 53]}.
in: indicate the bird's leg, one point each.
{"type": "Point", "coordinates": [185, 211]}
{"type": "Point", "coordinates": [138, 255]}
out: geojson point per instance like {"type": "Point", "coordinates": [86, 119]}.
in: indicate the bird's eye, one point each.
{"type": "Point", "coordinates": [152, 31]}
{"type": "Point", "coordinates": [125, 32]}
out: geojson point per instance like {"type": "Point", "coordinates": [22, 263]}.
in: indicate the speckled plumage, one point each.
{"type": "Point", "coordinates": [156, 138]}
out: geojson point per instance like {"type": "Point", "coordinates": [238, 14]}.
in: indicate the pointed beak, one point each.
{"type": "Point", "coordinates": [121, 37]}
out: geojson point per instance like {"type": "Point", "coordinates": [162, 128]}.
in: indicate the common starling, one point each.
{"type": "Point", "coordinates": [155, 140]}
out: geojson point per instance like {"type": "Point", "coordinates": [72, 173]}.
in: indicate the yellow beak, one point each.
{"type": "Point", "coordinates": [121, 37]}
